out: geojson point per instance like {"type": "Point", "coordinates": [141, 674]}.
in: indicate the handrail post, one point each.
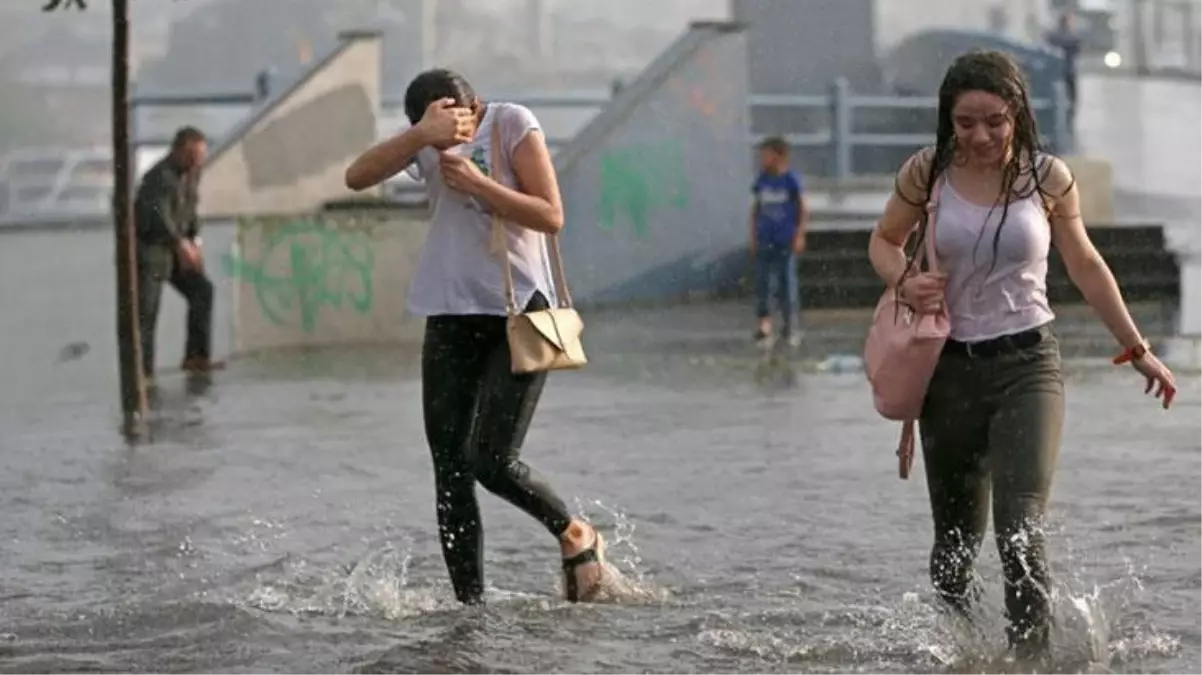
{"type": "Point", "coordinates": [1139, 38]}
{"type": "Point", "coordinates": [1189, 36]}
{"type": "Point", "coordinates": [263, 84]}
{"type": "Point", "coordinates": [1061, 134]}
{"type": "Point", "coordinates": [840, 129]}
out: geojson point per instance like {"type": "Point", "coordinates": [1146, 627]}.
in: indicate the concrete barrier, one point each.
{"type": "Point", "coordinates": [325, 279]}
{"type": "Point", "coordinates": [289, 156]}
{"type": "Point", "coordinates": [1184, 351]}
{"type": "Point", "coordinates": [657, 186]}
{"type": "Point", "coordinates": [656, 189]}
{"type": "Point", "coordinates": [1095, 184]}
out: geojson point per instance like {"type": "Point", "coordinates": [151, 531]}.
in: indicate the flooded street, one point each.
{"type": "Point", "coordinates": [282, 520]}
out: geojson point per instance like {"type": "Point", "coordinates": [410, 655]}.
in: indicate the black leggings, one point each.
{"type": "Point", "coordinates": [476, 416]}
{"type": "Point", "coordinates": [991, 428]}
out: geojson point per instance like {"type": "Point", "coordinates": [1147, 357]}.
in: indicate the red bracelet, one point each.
{"type": "Point", "coordinates": [1133, 354]}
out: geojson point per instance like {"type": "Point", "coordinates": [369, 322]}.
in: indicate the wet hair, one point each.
{"type": "Point", "coordinates": [776, 144]}
{"type": "Point", "coordinates": [1024, 171]}
{"type": "Point", "coordinates": [432, 85]}
{"type": "Point", "coordinates": [186, 136]}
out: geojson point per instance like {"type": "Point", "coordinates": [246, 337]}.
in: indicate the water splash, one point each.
{"type": "Point", "coordinates": [627, 581]}
{"type": "Point", "coordinates": [376, 585]}
{"type": "Point", "coordinates": [1095, 630]}
{"type": "Point", "coordinates": [1091, 630]}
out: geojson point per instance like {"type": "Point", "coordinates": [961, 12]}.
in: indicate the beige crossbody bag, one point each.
{"type": "Point", "coordinates": [545, 339]}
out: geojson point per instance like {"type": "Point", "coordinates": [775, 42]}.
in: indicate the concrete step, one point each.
{"type": "Point", "coordinates": [718, 329]}
{"type": "Point", "coordinates": [835, 270]}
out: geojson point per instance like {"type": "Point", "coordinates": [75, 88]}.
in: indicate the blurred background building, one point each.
{"type": "Point", "coordinates": [55, 67]}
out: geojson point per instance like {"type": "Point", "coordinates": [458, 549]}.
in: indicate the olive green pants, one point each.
{"type": "Point", "coordinates": [991, 427]}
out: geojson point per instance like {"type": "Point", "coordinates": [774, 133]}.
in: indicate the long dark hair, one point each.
{"type": "Point", "coordinates": [435, 84]}
{"type": "Point", "coordinates": [995, 73]}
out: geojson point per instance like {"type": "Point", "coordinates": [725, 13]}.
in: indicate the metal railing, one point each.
{"type": "Point", "coordinates": [838, 128]}
{"type": "Point", "coordinates": [48, 184]}
{"type": "Point", "coordinates": [528, 100]}
{"type": "Point", "coordinates": [835, 130]}
{"type": "Point", "coordinates": [260, 92]}
{"type": "Point", "coordinates": [1160, 37]}
{"type": "Point", "coordinates": [538, 103]}
{"type": "Point", "coordinates": [841, 138]}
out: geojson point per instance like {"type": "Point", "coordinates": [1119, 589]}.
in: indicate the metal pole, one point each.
{"type": "Point", "coordinates": [1139, 47]}
{"type": "Point", "coordinates": [841, 128]}
{"type": "Point", "coordinates": [1158, 26]}
{"type": "Point", "coordinates": [1189, 36]}
{"type": "Point", "coordinates": [129, 351]}
{"type": "Point", "coordinates": [263, 84]}
{"type": "Point", "coordinates": [429, 33]}
{"type": "Point", "coordinates": [1062, 135]}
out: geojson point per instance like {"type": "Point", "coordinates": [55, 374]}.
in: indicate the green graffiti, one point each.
{"type": "Point", "coordinates": [304, 266]}
{"type": "Point", "coordinates": [637, 180]}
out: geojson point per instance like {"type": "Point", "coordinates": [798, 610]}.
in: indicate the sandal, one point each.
{"type": "Point", "coordinates": [592, 554]}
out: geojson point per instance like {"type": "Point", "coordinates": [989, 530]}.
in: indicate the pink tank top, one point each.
{"type": "Point", "coordinates": [990, 296]}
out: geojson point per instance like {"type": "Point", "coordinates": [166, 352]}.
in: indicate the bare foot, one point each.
{"type": "Point", "coordinates": [583, 552]}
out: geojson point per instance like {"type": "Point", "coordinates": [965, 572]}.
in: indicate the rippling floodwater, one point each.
{"type": "Point", "coordinates": [282, 520]}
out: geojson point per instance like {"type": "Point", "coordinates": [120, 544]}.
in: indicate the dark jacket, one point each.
{"type": "Point", "coordinates": [165, 206]}
{"type": "Point", "coordinates": [1069, 44]}
{"type": "Point", "coordinates": [164, 212]}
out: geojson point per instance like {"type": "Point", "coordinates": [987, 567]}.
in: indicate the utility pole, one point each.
{"type": "Point", "coordinates": [129, 349]}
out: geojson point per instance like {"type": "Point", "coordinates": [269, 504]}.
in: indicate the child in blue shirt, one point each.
{"type": "Point", "coordinates": [779, 216]}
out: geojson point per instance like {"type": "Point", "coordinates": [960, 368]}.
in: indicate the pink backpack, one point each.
{"type": "Point", "coordinates": [903, 348]}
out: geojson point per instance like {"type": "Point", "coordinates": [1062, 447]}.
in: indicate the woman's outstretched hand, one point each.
{"type": "Point", "coordinates": [1161, 382]}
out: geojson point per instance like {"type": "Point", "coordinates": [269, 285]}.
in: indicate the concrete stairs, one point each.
{"type": "Point", "coordinates": [835, 271]}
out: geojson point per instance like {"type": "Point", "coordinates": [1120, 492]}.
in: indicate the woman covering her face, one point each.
{"type": "Point", "coordinates": [476, 410]}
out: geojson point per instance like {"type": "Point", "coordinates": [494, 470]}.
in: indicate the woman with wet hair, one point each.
{"type": "Point", "coordinates": [476, 410]}
{"type": "Point", "coordinates": [991, 422]}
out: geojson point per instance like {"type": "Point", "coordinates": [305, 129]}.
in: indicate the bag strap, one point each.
{"type": "Point", "coordinates": [927, 252]}
{"type": "Point", "coordinates": [500, 243]}
{"type": "Point", "coordinates": [905, 450]}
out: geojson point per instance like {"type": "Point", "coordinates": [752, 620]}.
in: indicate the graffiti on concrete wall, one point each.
{"type": "Point", "coordinates": [303, 267]}
{"type": "Point", "coordinates": [638, 180]}
{"type": "Point", "coordinates": [707, 90]}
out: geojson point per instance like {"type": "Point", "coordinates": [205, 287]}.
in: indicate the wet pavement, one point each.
{"type": "Point", "coordinates": [282, 519]}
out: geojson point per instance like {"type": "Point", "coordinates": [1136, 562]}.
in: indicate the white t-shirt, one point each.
{"type": "Point", "coordinates": [457, 273]}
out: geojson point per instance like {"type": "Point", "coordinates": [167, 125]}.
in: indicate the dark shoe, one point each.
{"type": "Point", "coordinates": [197, 365]}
